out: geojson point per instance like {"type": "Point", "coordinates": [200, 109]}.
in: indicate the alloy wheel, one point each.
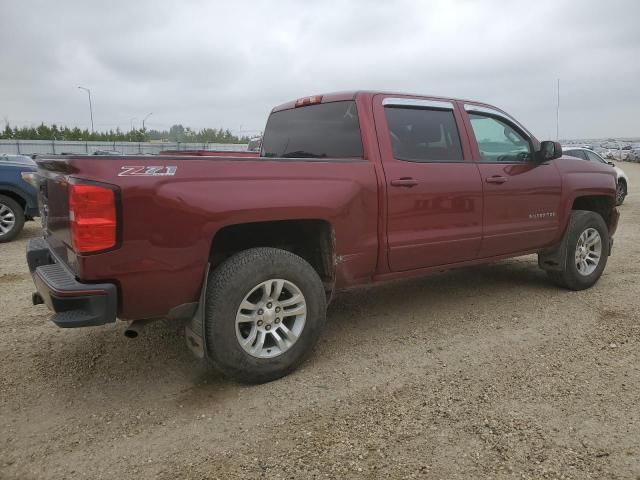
{"type": "Point", "coordinates": [271, 318]}
{"type": "Point", "coordinates": [7, 219]}
{"type": "Point", "coordinates": [588, 251]}
{"type": "Point", "coordinates": [620, 193]}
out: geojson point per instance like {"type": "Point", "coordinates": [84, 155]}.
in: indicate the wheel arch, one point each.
{"type": "Point", "coordinates": [603, 205]}
{"type": "Point", "coordinates": [14, 195]}
{"type": "Point", "coordinates": [311, 239]}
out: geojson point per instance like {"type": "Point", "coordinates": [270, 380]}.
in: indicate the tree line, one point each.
{"type": "Point", "coordinates": [177, 133]}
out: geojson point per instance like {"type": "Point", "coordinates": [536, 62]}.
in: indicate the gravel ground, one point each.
{"type": "Point", "coordinates": [490, 372]}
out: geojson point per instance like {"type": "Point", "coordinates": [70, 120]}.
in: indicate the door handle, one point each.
{"type": "Point", "coordinates": [404, 182]}
{"type": "Point", "coordinates": [496, 179]}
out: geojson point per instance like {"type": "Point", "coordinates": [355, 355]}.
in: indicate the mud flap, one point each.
{"type": "Point", "coordinates": [555, 257]}
{"type": "Point", "coordinates": [194, 329]}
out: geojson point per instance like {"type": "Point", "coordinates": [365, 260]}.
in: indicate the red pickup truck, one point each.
{"type": "Point", "coordinates": [349, 188]}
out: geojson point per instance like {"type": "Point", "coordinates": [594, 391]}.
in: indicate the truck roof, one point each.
{"type": "Point", "coordinates": [352, 94]}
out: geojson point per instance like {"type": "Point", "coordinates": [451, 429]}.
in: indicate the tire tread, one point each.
{"type": "Point", "coordinates": [567, 277]}
{"type": "Point", "coordinates": [219, 287]}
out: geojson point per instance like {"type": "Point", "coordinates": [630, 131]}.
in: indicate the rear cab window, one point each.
{"type": "Point", "coordinates": [324, 130]}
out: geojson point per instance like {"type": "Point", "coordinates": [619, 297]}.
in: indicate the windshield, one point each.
{"type": "Point", "coordinates": [315, 131]}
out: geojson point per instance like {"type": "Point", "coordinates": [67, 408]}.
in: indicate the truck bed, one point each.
{"type": "Point", "coordinates": [172, 207]}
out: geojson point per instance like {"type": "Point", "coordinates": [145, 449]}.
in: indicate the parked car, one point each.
{"type": "Point", "coordinates": [255, 144]}
{"type": "Point", "coordinates": [351, 188]}
{"type": "Point", "coordinates": [622, 181]}
{"type": "Point", "coordinates": [18, 196]}
{"type": "Point", "coordinates": [634, 154]}
{"type": "Point", "coordinates": [209, 153]}
{"type": "Point", "coordinates": [107, 152]}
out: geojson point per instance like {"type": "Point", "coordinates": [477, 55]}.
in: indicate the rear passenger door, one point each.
{"type": "Point", "coordinates": [434, 190]}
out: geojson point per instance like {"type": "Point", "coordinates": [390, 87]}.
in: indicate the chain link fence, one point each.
{"type": "Point", "coordinates": [58, 147]}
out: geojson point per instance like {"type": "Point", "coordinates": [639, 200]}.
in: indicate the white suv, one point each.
{"type": "Point", "coordinates": [590, 155]}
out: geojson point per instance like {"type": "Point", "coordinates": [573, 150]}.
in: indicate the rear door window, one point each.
{"type": "Point", "coordinates": [423, 134]}
{"type": "Point", "coordinates": [325, 130]}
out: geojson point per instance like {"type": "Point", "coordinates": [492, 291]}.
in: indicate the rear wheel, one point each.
{"type": "Point", "coordinates": [621, 192]}
{"type": "Point", "coordinates": [265, 309]}
{"type": "Point", "coordinates": [11, 218]}
{"type": "Point", "coordinates": [587, 244]}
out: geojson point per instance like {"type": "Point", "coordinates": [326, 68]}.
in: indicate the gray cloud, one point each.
{"type": "Point", "coordinates": [212, 64]}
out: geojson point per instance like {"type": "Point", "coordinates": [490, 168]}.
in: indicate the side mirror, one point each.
{"type": "Point", "coordinates": [611, 163]}
{"type": "Point", "coordinates": [549, 151]}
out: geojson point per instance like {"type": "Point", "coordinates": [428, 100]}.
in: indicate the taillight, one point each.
{"type": "Point", "coordinates": [92, 214]}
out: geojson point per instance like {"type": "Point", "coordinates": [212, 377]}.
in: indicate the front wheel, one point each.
{"type": "Point", "coordinates": [587, 243]}
{"type": "Point", "coordinates": [265, 309]}
{"type": "Point", "coordinates": [621, 192]}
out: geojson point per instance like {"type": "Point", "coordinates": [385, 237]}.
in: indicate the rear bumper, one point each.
{"type": "Point", "coordinates": [74, 304]}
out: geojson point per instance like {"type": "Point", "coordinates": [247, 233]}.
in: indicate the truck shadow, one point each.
{"type": "Point", "coordinates": [157, 364]}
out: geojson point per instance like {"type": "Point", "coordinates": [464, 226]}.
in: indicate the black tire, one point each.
{"type": "Point", "coordinates": [569, 277]}
{"type": "Point", "coordinates": [18, 215]}
{"type": "Point", "coordinates": [621, 192]}
{"type": "Point", "coordinates": [228, 285]}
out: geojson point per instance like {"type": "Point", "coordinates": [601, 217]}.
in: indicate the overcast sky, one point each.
{"type": "Point", "coordinates": [226, 63]}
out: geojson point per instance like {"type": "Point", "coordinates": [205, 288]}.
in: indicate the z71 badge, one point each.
{"type": "Point", "coordinates": [163, 171]}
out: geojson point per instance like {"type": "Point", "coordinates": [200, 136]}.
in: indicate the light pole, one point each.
{"type": "Point", "coordinates": [148, 115]}
{"type": "Point", "coordinates": [558, 114]}
{"type": "Point", "coordinates": [90, 106]}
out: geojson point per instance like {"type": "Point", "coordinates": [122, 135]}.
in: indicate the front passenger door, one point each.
{"type": "Point", "coordinates": [521, 197]}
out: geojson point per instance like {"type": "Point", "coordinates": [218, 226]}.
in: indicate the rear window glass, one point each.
{"type": "Point", "coordinates": [315, 131]}
{"type": "Point", "coordinates": [423, 135]}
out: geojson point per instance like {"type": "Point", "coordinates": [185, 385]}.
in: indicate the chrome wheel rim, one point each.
{"type": "Point", "coordinates": [619, 193]}
{"type": "Point", "coordinates": [7, 219]}
{"type": "Point", "coordinates": [588, 251]}
{"type": "Point", "coordinates": [271, 318]}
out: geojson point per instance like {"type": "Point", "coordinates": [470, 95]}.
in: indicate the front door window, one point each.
{"type": "Point", "coordinates": [498, 141]}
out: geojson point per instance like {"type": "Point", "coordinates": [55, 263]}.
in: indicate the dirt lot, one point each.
{"type": "Point", "coordinates": [489, 372]}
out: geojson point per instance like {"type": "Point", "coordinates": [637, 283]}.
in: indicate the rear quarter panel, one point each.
{"type": "Point", "coordinates": [168, 223]}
